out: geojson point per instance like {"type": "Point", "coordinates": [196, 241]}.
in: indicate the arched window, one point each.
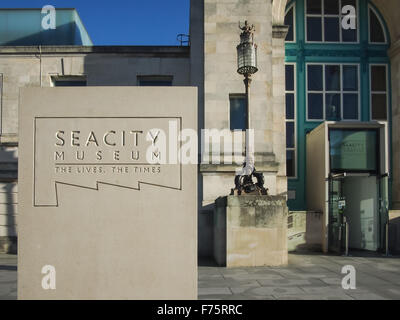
{"type": "Point", "coordinates": [376, 29]}
{"type": "Point", "coordinates": [332, 92]}
{"type": "Point", "coordinates": [324, 21]}
{"type": "Point", "coordinates": [333, 73]}
{"type": "Point", "coordinates": [379, 92]}
{"type": "Point", "coordinates": [290, 22]}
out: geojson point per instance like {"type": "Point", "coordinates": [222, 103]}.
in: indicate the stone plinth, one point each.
{"type": "Point", "coordinates": [250, 231]}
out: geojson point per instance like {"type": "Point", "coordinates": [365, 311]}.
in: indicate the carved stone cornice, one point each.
{"type": "Point", "coordinates": [279, 31]}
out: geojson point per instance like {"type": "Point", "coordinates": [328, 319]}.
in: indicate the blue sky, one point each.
{"type": "Point", "coordinates": [124, 22]}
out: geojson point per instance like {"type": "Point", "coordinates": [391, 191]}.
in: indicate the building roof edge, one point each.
{"type": "Point", "coordinates": [139, 50]}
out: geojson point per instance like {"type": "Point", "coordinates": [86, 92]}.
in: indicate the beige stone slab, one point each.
{"type": "Point", "coordinates": [124, 234]}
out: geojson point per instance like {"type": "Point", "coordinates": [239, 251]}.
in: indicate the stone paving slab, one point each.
{"type": "Point", "coordinates": [214, 291]}
{"type": "Point", "coordinates": [8, 277]}
{"type": "Point", "coordinates": [316, 277]}
{"type": "Point", "coordinates": [255, 276]}
{"type": "Point", "coordinates": [366, 296]}
{"type": "Point", "coordinates": [314, 297]}
{"type": "Point", "coordinates": [290, 282]}
{"type": "Point", "coordinates": [306, 277]}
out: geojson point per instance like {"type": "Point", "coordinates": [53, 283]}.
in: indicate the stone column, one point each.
{"type": "Point", "coordinates": [394, 54]}
{"type": "Point", "coordinates": [278, 92]}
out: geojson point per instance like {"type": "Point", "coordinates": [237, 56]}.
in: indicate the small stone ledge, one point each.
{"type": "Point", "coordinates": [9, 140]}
{"type": "Point", "coordinates": [279, 31]}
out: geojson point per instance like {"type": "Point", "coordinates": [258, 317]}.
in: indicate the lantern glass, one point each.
{"type": "Point", "coordinates": [247, 58]}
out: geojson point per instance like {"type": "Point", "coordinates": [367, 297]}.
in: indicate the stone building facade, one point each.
{"type": "Point", "coordinates": [221, 81]}
{"type": "Point", "coordinates": [49, 66]}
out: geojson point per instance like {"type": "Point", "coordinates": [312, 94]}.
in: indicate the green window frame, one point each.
{"type": "Point", "coordinates": [373, 15]}
{"type": "Point", "coordinates": [291, 22]}
{"type": "Point", "coordinates": [342, 94]}
{"type": "Point", "coordinates": [290, 119]}
{"type": "Point", "coordinates": [379, 92]}
{"type": "Point", "coordinates": [326, 18]}
{"type": "Point", "coordinates": [363, 53]}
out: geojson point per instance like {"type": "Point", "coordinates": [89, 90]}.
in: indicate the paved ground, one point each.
{"type": "Point", "coordinates": [307, 277]}
{"type": "Point", "coordinates": [8, 277]}
{"type": "Point", "coordinates": [310, 277]}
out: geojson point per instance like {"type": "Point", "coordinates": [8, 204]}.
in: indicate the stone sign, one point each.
{"type": "Point", "coordinates": [108, 207]}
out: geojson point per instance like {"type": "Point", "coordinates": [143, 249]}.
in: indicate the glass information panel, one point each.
{"type": "Point", "coordinates": [353, 150]}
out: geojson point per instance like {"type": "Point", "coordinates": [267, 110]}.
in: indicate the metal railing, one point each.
{"type": "Point", "coordinates": [183, 39]}
{"type": "Point", "coordinates": [346, 227]}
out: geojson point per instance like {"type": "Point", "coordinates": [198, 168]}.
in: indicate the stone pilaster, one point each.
{"type": "Point", "coordinates": [278, 90]}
